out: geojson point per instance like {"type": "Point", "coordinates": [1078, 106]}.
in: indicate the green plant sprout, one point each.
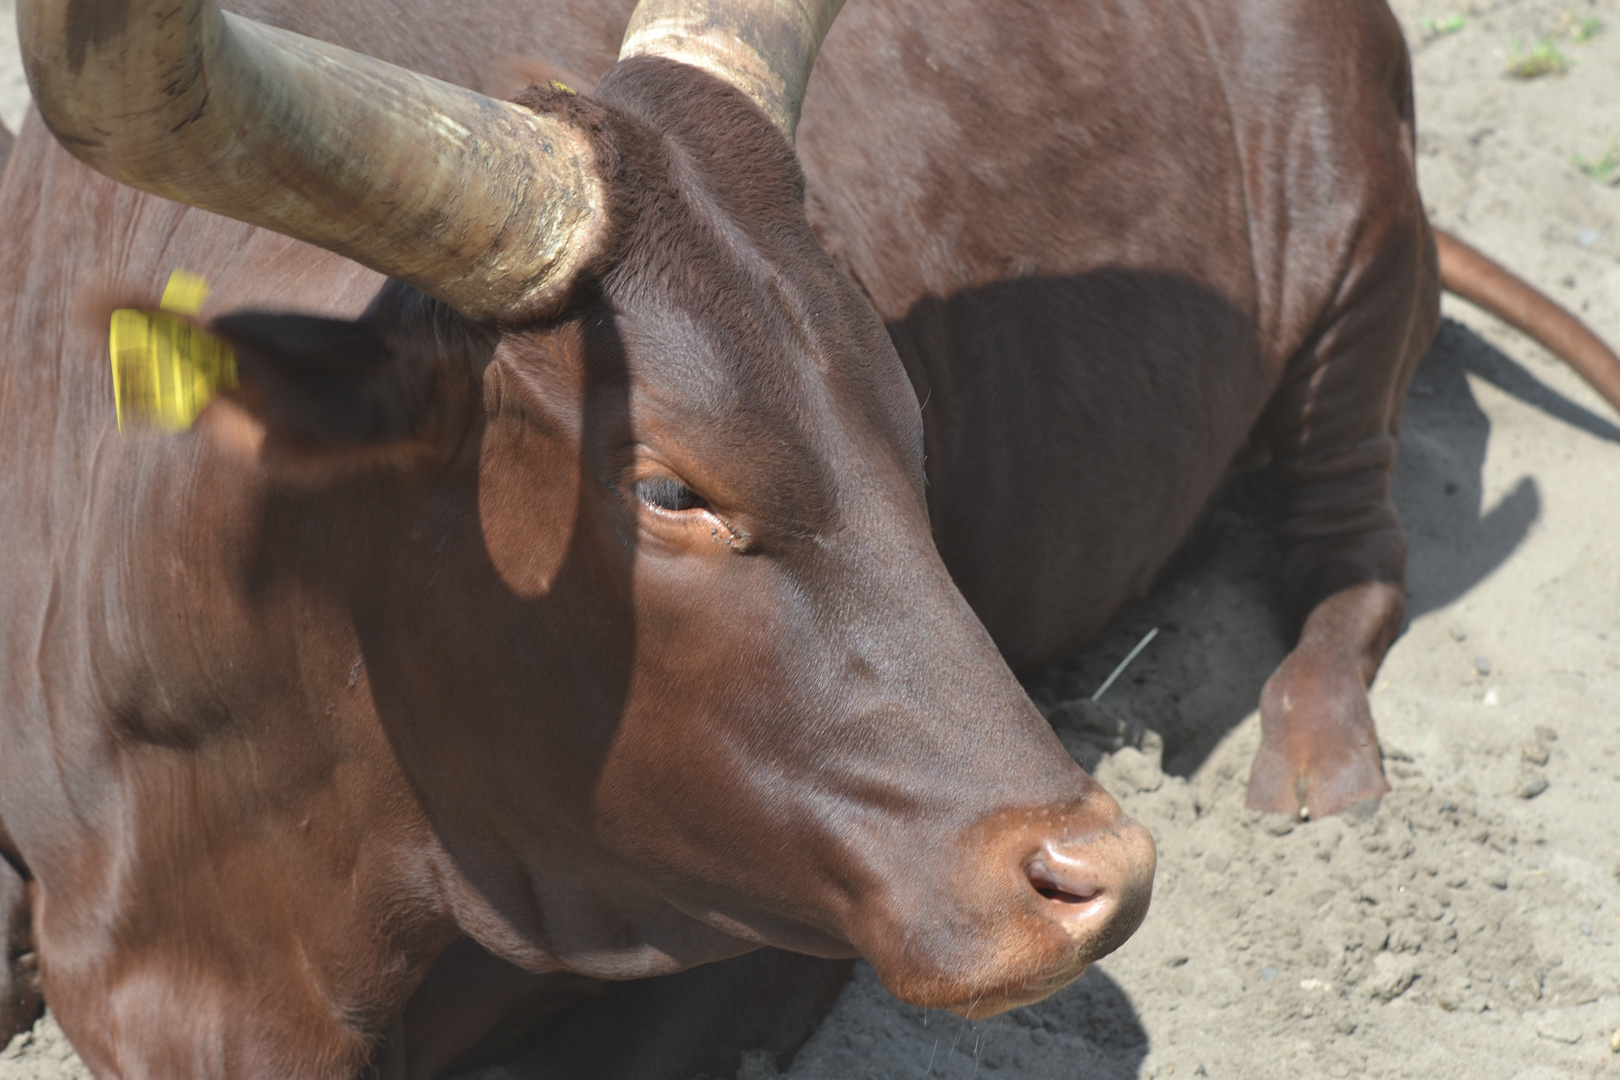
{"type": "Point", "coordinates": [1582, 29]}
{"type": "Point", "coordinates": [1605, 169]}
{"type": "Point", "coordinates": [1445, 24]}
{"type": "Point", "coordinates": [1543, 59]}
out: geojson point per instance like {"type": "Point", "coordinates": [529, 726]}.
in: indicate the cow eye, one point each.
{"type": "Point", "coordinates": [667, 493]}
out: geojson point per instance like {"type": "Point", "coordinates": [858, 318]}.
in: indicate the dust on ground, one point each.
{"type": "Point", "coordinates": [1470, 925]}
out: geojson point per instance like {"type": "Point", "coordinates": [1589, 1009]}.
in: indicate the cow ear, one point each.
{"type": "Point", "coordinates": [320, 395]}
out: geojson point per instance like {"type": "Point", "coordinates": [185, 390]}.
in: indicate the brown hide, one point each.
{"type": "Point", "coordinates": [1109, 241]}
{"type": "Point", "coordinates": [1106, 240]}
{"type": "Point", "coordinates": [418, 637]}
{"type": "Point", "coordinates": [284, 726]}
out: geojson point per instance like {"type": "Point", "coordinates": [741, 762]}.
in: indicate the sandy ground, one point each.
{"type": "Point", "coordinates": [1461, 929]}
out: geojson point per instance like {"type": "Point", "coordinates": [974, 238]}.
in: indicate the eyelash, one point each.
{"type": "Point", "coordinates": [667, 493]}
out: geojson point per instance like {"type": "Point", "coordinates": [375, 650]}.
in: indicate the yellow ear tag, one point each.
{"type": "Point", "coordinates": [165, 369]}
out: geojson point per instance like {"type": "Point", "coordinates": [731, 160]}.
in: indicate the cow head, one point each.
{"type": "Point", "coordinates": [704, 682]}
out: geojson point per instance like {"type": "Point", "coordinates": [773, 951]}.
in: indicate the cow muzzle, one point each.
{"type": "Point", "coordinates": [1038, 896]}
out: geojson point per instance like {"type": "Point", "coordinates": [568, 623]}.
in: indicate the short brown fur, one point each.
{"type": "Point", "coordinates": [392, 713]}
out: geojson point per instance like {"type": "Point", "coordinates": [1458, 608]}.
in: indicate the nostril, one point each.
{"type": "Point", "coordinates": [1062, 888]}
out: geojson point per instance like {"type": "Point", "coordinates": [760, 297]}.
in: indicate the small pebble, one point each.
{"type": "Point", "coordinates": [1614, 1041]}
{"type": "Point", "coordinates": [1545, 733]}
{"type": "Point", "coordinates": [1268, 973]}
{"type": "Point", "coordinates": [1497, 878]}
{"type": "Point", "coordinates": [1531, 786]}
{"type": "Point", "coordinates": [1482, 666]}
{"type": "Point", "coordinates": [1535, 753]}
{"type": "Point", "coordinates": [1588, 238]}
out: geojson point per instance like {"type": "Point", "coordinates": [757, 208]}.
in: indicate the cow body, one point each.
{"type": "Point", "coordinates": [276, 738]}
{"type": "Point", "coordinates": [1109, 253]}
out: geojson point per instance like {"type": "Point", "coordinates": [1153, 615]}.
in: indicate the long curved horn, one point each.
{"type": "Point", "coordinates": [765, 48]}
{"type": "Point", "coordinates": [481, 203]}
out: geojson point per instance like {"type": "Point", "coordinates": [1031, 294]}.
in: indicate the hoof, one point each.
{"type": "Point", "coordinates": [1319, 750]}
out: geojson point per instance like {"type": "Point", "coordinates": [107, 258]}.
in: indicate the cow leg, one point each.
{"type": "Point", "coordinates": [21, 1001]}
{"type": "Point", "coordinates": [1318, 749]}
{"type": "Point", "coordinates": [1333, 427]}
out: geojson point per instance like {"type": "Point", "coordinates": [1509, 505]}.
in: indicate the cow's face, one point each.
{"type": "Point", "coordinates": [818, 746]}
{"type": "Point", "coordinates": [666, 648]}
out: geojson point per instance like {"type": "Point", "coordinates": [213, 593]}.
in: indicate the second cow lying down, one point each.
{"type": "Point", "coordinates": [568, 610]}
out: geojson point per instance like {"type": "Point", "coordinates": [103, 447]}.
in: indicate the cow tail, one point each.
{"type": "Point", "coordinates": [1482, 282]}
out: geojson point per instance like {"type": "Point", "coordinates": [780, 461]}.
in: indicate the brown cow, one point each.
{"type": "Point", "coordinates": [388, 678]}
{"type": "Point", "coordinates": [565, 605]}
